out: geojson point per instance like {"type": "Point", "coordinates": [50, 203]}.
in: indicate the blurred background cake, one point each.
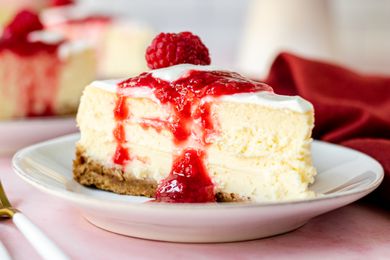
{"type": "Point", "coordinates": [245, 35]}
{"type": "Point", "coordinates": [350, 32]}
{"type": "Point", "coordinates": [119, 41]}
{"type": "Point", "coordinates": [41, 73]}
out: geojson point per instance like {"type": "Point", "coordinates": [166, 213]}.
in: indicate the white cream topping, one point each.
{"type": "Point", "coordinates": [71, 47]}
{"type": "Point", "coordinates": [57, 15]}
{"type": "Point", "coordinates": [45, 36]}
{"type": "Point", "coordinates": [294, 103]}
{"type": "Point", "coordinates": [65, 49]}
{"type": "Point", "coordinates": [177, 71]}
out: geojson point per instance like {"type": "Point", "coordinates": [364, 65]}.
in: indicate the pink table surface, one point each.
{"type": "Point", "coordinates": [357, 231]}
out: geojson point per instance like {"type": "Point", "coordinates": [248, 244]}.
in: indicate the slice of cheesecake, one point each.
{"type": "Point", "coordinates": [191, 133]}
{"type": "Point", "coordinates": [120, 42]}
{"type": "Point", "coordinates": [41, 73]}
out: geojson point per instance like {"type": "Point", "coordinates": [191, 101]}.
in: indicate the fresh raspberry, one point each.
{"type": "Point", "coordinates": [24, 22]}
{"type": "Point", "coordinates": [61, 2]}
{"type": "Point", "coordinates": [169, 49]}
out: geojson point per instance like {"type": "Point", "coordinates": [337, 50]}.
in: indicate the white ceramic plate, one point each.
{"type": "Point", "coordinates": [15, 134]}
{"type": "Point", "coordinates": [344, 175]}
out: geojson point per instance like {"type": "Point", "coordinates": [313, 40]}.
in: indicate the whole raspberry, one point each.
{"type": "Point", "coordinates": [169, 49]}
{"type": "Point", "coordinates": [24, 22]}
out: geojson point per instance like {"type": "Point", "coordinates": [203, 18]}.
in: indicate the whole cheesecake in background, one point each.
{"type": "Point", "coordinates": [41, 73]}
{"type": "Point", "coordinates": [120, 42]}
{"type": "Point", "coordinates": [193, 133]}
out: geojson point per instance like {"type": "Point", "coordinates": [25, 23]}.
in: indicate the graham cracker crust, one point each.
{"type": "Point", "coordinates": [91, 173]}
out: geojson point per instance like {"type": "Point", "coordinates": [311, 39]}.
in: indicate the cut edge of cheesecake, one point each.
{"type": "Point", "coordinates": [91, 173]}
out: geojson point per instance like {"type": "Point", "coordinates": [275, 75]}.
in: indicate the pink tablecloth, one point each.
{"type": "Point", "coordinates": [357, 231]}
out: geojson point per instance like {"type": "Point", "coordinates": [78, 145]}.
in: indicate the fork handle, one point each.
{"type": "Point", "coordinates": [4, 255]}
{"type": "Point", "coordinates": [44, 246]}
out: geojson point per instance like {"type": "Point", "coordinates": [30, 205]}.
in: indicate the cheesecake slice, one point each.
{"type": "Point", "coordinates": [41, 73]}
{"type": "Point", "coordinates": [191, 133]}
{"type": "Point", "coordinates": [119, 42]}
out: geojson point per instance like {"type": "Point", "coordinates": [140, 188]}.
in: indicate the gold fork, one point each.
{"type": "Point", "coordinates": [44, 246]}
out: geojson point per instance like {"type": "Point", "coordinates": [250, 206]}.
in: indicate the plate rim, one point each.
{"type": "Point", "coordinates": [79, 198]}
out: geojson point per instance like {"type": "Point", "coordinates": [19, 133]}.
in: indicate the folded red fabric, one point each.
{"type": "Point", "coordinates": [351, 109]}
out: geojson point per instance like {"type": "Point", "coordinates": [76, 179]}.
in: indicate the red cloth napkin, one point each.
{"type": "Point", "coordinates": [350, 109]}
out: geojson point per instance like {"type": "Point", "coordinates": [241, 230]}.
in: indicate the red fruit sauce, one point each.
{"type": "Point", "coordinates": [15, 35]}
{"type": "Point", "coordinates": [188, 180]}
{"type": "Point", "coordinates": [121, 113]}
{"type": "Point", "coordinates": [92, 19]}
{"type": "Point", "coordinates": [24, 22]}
{"type": "Point", "coordinates": [61, 2]}
{"type": "Point", "coordinates": [25, 48]}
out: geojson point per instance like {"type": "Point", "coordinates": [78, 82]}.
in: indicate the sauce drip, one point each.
{"type": "Point", "coordinates": [121, 113]}
{"type": "Point", "coordinates": [188, 180]}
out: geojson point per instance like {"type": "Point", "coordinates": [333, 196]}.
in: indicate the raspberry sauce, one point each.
{"type": "Point", "coordinates": [186, 93]}
{"type": "Point", "coordinates": [98, 19]}
{"type": "Point", "coordinates": [192, 119]}
{"type": "Point", "coordinates": [24, 48]}
{"type": "Point", "coordinates": [61, 2]}
{"type": "Point", "coordinates": [188, 180]}
{"type": "Point", "coordinates": [15, 35]}
{"type": "Point", "coordinates": [121, 113]}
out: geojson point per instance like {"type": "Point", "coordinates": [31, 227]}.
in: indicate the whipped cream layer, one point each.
{"type": "Point", "coordinates": [66, 47]}
{"type": "Point", "coordinates": [294, 103]}
{"type": "Point", "coordinates": [63, 14]}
